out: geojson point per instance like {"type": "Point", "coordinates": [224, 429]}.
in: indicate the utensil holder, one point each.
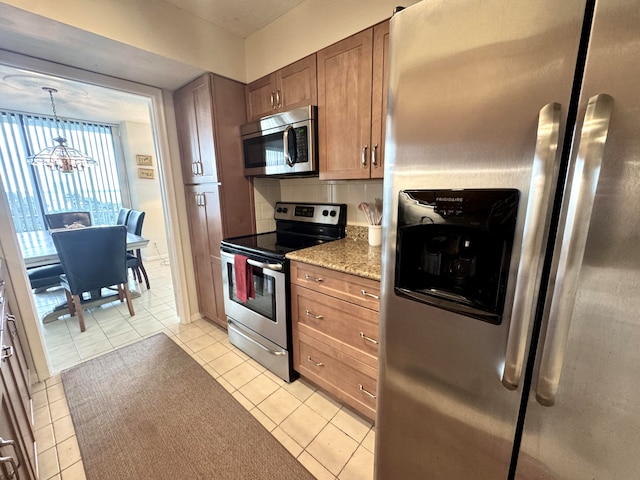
{"type": "Point", "coordinates": [375, 235]}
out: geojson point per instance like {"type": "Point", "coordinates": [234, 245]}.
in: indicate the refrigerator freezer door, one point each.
{"type": "Point", "coordinates": [593, 428]}
{"type": "Point", "coordinates": [467, 82]}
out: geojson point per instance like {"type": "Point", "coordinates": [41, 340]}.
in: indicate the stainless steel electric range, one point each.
{"type": "Point", "coordinates": [261, 325]}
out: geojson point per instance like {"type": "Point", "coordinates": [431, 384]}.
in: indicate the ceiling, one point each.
{"type": "Point", "coordinates": [21, 90]}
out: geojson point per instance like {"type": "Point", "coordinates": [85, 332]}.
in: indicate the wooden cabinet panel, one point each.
{"type": "Point", "coordinates": [290, 87]}
{"type": "Point", "coordinates": [355, 328]}
{"type": "Point", "coordinates": [344, 107]}
{"type": "Point", "coordinates": [352, 81]}
{"type": "Point", "coordinates": [194, 120]}
{"type": "Point", "coordinates": [341, 375]}
{"type": "Point", "coordinates": [379, 97]}
{"type": "Point", "coordinates": [209, 112]}
{"type": "Point", "coordinates": [335, 333]}
{"type": "Point", "coordinates": [358, 290]}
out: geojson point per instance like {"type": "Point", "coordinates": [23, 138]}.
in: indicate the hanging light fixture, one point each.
{"type": "Point", "coordinates": [60, 157]}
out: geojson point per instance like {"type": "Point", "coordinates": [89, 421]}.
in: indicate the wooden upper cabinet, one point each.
{"type": "Point", "coordinates": [290, 87]}
{"type": "Point", "coordinates": [194, 120]}
{"type": "Point", "coordinates": [352, 104]}
{"type": "Point", "coordinates": [379, 97]}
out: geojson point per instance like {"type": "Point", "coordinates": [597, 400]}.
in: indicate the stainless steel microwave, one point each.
{"type": "Point", "coordinates": [282, 144]}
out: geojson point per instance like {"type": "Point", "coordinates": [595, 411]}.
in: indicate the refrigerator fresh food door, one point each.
{"type": "Point", "coordinates": [583, 415]}
{"type": "Point", "coordinates": [478, 96]}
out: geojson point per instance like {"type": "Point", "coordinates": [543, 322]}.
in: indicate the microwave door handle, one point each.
{"type": "Point", "coordinates": [287, 155]}
{"type": "Point", "coordinates": [573, 243]}
{"type": "Point", "coordinates": [543, 177]}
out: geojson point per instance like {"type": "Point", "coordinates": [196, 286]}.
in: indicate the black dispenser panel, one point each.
{"type": "Point", "coordinates": [454, 248]}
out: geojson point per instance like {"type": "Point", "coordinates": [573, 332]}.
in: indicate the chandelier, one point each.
{"type": "Point", "coordinates": [60, 157]}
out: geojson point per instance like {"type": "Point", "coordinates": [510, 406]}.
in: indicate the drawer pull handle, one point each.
{"type": "Point", "coordinates": [362, 389]}
{"type": "Point", "coordinates": [313, 279]}
{"type": "Point", "coordinates": [9, 350]}
{"type": "Point", "coordinates": [311, 360]}
{"type": "Point", "coordinates": [368, 339]}
{"type": "Point", "coordinates": [313, 315]}
{"type": "Point", "coordinates": [364, 293]}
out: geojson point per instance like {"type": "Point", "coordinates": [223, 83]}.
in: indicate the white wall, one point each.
{"type": "Point", "coordinates": [137, 139]}
{"type": "Point", "coordinates": [310, 27]}
{"type": "Point", "coordinates": [352, 192]}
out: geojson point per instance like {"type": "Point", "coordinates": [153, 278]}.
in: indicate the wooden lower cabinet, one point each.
{"type": "Point", "coordinates": [335, 333]}
{"type": "Point", "coordinates": [17, 440]}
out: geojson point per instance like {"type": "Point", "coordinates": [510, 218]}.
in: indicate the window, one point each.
{"type": "Point", "coordinates": [34, 191]}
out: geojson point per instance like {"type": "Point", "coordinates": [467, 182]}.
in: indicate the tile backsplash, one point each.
{"type": "Point", "coordinates": [268, 191]}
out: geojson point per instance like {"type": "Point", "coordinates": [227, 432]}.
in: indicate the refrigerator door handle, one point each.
{"type": "Point", "coordinates": [574, 240]}
{"type": "Point", "coordinates": [543, 178]}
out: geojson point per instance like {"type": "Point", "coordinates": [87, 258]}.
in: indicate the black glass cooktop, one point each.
{"type": "Point", "coordinates": [272, 243]}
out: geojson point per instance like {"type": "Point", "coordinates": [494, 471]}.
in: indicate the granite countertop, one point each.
{"type": "Point", "coordinates": [351, 254]}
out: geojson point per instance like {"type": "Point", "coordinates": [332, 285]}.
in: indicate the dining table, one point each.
{"type": "Point", "coordinates": [39, 250]}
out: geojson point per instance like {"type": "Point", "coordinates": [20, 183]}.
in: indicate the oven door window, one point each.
{"type": "Point", "coordinates": [264, 284]}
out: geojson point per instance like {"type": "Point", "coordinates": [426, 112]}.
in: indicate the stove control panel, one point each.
{"type": "Point", "coordinates": [322, 213]}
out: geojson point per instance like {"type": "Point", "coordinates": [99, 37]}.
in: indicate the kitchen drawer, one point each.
{"type": "Point", "coordinates": [345, 326]}
{"type": "Point", "coordinates": [361, 291]}
{"type": "Point", "coordinates": [341, 375]}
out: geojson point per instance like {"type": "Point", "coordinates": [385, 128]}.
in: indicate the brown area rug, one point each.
{"type": "Point", "coordinates": [149, 411]}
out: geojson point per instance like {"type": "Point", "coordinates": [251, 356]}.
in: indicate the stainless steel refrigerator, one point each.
{"type": "Point", "coordinates": [510, 314]}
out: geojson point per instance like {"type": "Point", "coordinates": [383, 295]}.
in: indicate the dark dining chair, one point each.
{"type": "Point", "coordinates": [134, 259]}
{"type": "Point", "coordinates": [64, 219]}
{"type": "Point", "coordinates": [123, 215]}
{"type": "Point", "coordinates": [92, 258]}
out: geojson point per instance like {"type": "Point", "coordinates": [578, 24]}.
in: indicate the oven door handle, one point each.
{"type": "Point", "coordinates": [269, 266]}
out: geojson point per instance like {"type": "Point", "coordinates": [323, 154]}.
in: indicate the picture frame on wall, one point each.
{"type": "Point", "coordinates": [144, 160]}
{"type": "Point", "coordinates": [147, 173]}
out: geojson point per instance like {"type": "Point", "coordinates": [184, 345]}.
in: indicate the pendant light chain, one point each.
{"type": "Point", "coordinates": [53, 107]}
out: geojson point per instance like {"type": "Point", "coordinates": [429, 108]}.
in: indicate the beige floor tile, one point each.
{"type": "Point", "coordinates": [39, 397]}
{"type": "Point", "coordinates": [186, 333]}
{"type": "Point", "coordinates": [303, 425]}
{"type": "Point", "coordinates": [59, 409]}
{"type": "Point", "coordinates": [316, 469]}
{"type": "Point", "coordinates": [351, 424]}
{"type": "Point", "coordinates": [63, 428]}
{"type": "Point", "coordinates": [42, 417]}
{"type": "Point", "coordinates": [332, 448]}
{"type": "Point", "coordinates": [259, 388]}
{"type": "Point", "coordinates": [359, 466]}
{"type": "Point", "coordinates": [289, 443]}
{"type": "Point", "coordinates": [124, 338]}
{"type": "Point", "coordinates": [53, 380]}
{"type": "Point", "coordinates": [147, 326]}
{"type": "Point", "coordinates": [45, 438]}
{"type": "Point", "coordinates": [218, 333]}
{"type": "Point", "coordinates": [263, 419]}
{"type": "Point", "coordinates": [242, 400]}
{"type": "Point", "coordinates": [48, 463]}
{"type": "Point", "coordinates": [200, 342]}
{"type": "Point", "coordinates": [74, 472]}
{"type": "Point", "coordinates": [369, 441]}
{"type": "Point", "coordinates": [241, 375]}
{"type": "Point", "coordinates": [68, 452]}
{"type": "Point", "coordinates": [226, 385]}
{"type": "Point", "coordinates": [210, 353]}
{"type": "Point", "coordinates": [279, 405]}
{"type": "Point", "coordinates": [91, 351]}
{"type": "Point", "coordinates": [322, 404]}
{"type": "Point", "coordinates": [225, 362]}
{"type": "Point", "coordinates": [299, 389]}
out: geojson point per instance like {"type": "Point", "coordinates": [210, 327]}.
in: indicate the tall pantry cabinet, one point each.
{"type": "Point", "coordinates": [209, 112]}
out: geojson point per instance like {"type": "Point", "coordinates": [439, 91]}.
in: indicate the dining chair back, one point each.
{"type": "Point", "coordinates": [123, 215]}
{"type": "Point", "coordinates": [134, 259]}
{"type": "Point", "coordinates": [64, 219]}
{"type": "Point", "coordinates": [92, 258]}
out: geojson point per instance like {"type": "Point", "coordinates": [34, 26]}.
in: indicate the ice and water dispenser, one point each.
{"type": "Point", "coordinates": [454, 248]}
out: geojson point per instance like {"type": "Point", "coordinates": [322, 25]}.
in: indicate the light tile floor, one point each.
{"type": "Point", "coordinates": [329, 440]}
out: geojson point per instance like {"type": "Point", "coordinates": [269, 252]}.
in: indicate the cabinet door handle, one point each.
{"type": "Point", "coordinates": [364, 156]}
{"type": "Point", "coordinates": [313, 315]}
{"type": "Point", "coordinates": [374, 156]}
{"type": "Point", "coordinates": [15, 463]}
{"type": "Point", "coordinates": [8, 349]}
{"type": "Point", "coordinates": [14, 333]}
{"type": "Point", "coordinates": [278, 99]}
{"type": "Point", "coordinates": [363, 390]}
{"type": "Point", "coordinates": [368, 339]}
{"type": "Point", "coordinates": [193, 168]}
{"type": "Point", "coordinates": [273, 103]}
{"type": "Point", "coordinates": [311, 360]}
{"type": "Point", "coordinates": [313, 279]}
{"type": "Point", "coordinates": [364, 293]}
